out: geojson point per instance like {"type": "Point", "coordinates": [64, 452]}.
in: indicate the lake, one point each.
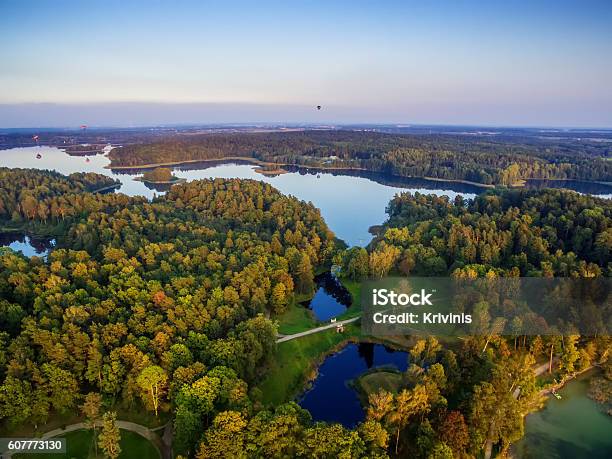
{"type": "Point", "coordinates": [350, 201]}
{"type": "Point", "coordinates": [350, 204]}
{"type": "Point", "coordinates": [573, 427]}
{"type": "Point", "coordinates": [330, 398]}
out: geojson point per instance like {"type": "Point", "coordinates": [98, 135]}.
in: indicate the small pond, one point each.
{"type": "Point", "coordinates": [331, 398]}
{"type": "Point", "coordinates": [331, 298]}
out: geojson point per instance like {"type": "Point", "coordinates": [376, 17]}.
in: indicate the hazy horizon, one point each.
{"type": "Point", "coordinates": [528, 63]}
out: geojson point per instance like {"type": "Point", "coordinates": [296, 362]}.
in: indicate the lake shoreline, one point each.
{"type": "Point", "coordinates": [161, 182]}
{"type": "Point", "coordinates": [585, 374]}
{"type": "Point", "coordinates": [257, 162]}
{"type": "Point", "coordinates": [522, 184]}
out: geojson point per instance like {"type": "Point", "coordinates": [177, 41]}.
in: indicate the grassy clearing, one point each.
{"type": "Point", "coordinates": [80, 444]}
{"type": "Point", "coordinates": [380, 380]}
{"type": "Point", "coordinates": [142, 417]}
{"type": "Point", "coordinates": [296, 319]}
{"type": "Point", "coordinates": [296, 361]}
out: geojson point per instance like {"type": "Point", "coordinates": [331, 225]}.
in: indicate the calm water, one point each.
{"type": "Point", "coordinates": [330, 398]}
{"type": "Point", "coordinates": [349, 204]}
{"type": "Point", "coordinates": [27, 245]}
{"type": "Point", "coordinates": [599, 189]}
{"type": "Point", "coordinates": [573, 427]}
{"type": "Point", "coordinates": [331, 298]}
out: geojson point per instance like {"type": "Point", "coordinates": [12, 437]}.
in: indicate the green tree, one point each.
{"type": "Point", "coordinates": [91, 409]}
{"type": "Point", "coordinates": [110, 436]}
{"type": "Point", "coordinates": [153, 382]}
{"type": "Point", "coordinates": [225, 438]}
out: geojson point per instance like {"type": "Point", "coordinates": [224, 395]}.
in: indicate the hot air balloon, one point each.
{"type": "Point", "coordinates": [318, 107]}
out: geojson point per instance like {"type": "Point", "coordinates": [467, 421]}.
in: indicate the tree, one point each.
{"type": "Point", "coordinates": [153, 382]}
{"type": "Point", "coordinates": [374, 435]}
{"type": "Point", "coordinates": [379, 405]}
{"type": "Point", "coordinates": [225, 438]}
{"type": "Point", "coordinates": [16, 400]}
{"type": "Point", "coordinates": [569, 355]}
{"type": "Point", "coordinates": [91, 409]}
{"type": "Point", "coordinates": [356, 263]}
{"type": "Point", "coordinates": [454, 431]}
{"type": "Point", "coordinates": [110, 436]}
{"type": "Point", "coordinates": [304, 275]}
{"type": "Point", "coordinates": [279, 298]}
{"type": "Point", "coordinates": [187, 428]}
{"type": "Point", "coordinates": [408, 403]}
{"type": "Point", "coordinates": [441, 451]}
{"type": "Point", "coordinates": [60, 386]}
{"type": "Point", "coordinates": [159, 174]}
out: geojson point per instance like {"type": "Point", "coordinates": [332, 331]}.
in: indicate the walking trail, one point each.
{"type": "Point", "coordinates": [162, 444]}
{"type": "Point", "coordinates": [284, 338]}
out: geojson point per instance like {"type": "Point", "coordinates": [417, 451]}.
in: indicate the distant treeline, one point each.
{"type": "Point", "coordinates": [452, 157]}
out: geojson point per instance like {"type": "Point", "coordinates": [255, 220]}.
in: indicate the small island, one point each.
{"type": "Point", "coordinates": [160, 176]}
{"type": "Point", "coordinates": [270, 170]}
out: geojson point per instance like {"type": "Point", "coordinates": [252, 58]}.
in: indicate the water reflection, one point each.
{"type": "Point", "coordinates": [29, 246]}
{"type": "Point", "coordinates": [331, 399]}
{"type": "Point", "coordinates": [350, 204]}
{"type": "Point", "coordinates": [331, 298]}
{"type": "Point", "coordinates": [601, 190]}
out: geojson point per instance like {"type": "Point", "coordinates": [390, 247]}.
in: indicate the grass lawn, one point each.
{"type": "Point", "coordinates": [80, 445]}
{"type": "Point", "coordinates": [296, 319]}
{"type": "Point", "coordinates": [379, 380]}
{"type": "Point", "coordinates": [295, 361]}
{"type": "Point", "coordinates": [140, 416]}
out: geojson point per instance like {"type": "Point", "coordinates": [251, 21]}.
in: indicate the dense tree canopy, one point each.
{"type": "Point", "coordinates": [168, 306]}
{"type": "Point", "coordinates": [159, 304]}
{"type": "Point", "coordinates": [526, 232]}
{"type": "Point", "coordinates": [482, 160]}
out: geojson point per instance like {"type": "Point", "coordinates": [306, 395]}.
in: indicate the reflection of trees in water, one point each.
{"type": "Point", "coordinates": [392, 180]}
{"type": "Point", "coordinates": [575, 185]}
{"type": "Point", "coordinates": [334, 288]}
{"type": "Point", "coordinates": [161, 187]}
{"type": "Point", "coordinates": [366, 352]}
{"type": "Point", "coordinates": [39, 244]}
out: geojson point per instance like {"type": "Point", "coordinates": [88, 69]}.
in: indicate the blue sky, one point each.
{"type": "Point", "coordinates": [458, 62]}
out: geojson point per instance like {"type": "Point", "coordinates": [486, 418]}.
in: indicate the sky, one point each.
{"type": "Point", "coordinates": [130, 63]}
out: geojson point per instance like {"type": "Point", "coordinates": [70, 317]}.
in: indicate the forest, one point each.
{"type": "Point", "coordinates": [171, 306]}
{"type": "Point", "coordinates": [483, 160]}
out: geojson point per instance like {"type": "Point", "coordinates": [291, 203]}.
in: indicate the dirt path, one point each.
{"type": "Point", "coordinates": [163, 446]}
